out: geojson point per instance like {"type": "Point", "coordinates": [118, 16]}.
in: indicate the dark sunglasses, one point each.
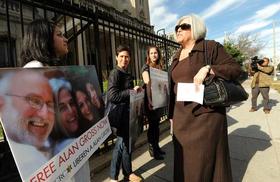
{"type": "Point", "coordinates": [183, 26]}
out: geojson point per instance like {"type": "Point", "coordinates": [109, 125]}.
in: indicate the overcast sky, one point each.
{"type": "Point", "coordinates": [223, 16]}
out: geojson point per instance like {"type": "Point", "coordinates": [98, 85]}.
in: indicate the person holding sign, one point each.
{"type": "Point", "coordinates": [153, 60]}
{"type": "Point", "coordinates": [120, 83]}
{"type": "Point", "coordinates": [200, 138]}
{"type": "Point", "coordinates": [43, 44]}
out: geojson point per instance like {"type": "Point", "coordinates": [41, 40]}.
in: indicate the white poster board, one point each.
{"type": "Point", "coordinates": [135, 116]}
{"type": "Point", "coordinates": [50, 135]}
{"type": "Point", "coordinates": [159, 87]}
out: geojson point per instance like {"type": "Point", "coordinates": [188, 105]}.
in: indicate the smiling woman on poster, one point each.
{"type": "Point", "coordinates": [90, 106]}
{"type": "Point", "coordinates": [67, 125]}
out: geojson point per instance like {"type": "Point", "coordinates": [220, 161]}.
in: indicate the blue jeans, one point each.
{"type": "Point", "coordinates": [120, 156]}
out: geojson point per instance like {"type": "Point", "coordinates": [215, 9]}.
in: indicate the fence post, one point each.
{"type": "Point", "coordinates": [97, 48]}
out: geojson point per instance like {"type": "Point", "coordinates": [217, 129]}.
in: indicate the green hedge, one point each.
{"type": "Point", "coordinates": [1, 132]}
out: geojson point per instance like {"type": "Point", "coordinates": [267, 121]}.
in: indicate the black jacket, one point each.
{"type": "Point", "coordinates": [119, 85]}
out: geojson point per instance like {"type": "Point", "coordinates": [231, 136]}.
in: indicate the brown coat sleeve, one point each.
{"type": "Point", "coordinates": [223, 64]}
{"type": "Point", "coordinates": [172, 97]}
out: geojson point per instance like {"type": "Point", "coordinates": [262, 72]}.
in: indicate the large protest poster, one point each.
{"type": "Point", "coordinates": [159, 87]}
{"type": "Point", "coordinates": [135, 116]}
{"type": "Point", "coordinates": [53, 118]}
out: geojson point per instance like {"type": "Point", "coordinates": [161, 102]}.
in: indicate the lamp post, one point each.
{"type": "Point", "coordinates": [275, 60]}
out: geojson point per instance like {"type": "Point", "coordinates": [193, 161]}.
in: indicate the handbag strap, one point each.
{"type": "Point", "coordinates": [208, 61]}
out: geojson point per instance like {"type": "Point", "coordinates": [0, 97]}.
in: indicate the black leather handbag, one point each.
{"type": "Point", "coordinates": [221, 92]}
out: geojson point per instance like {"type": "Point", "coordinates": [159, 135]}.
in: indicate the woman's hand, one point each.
{"type": "Point", "coordinates": [137, 89]}
{"type": "Point", "coordinates": [171, 126]}
{"type": "Point", "coordinates": [201, 75]}
{"type": "Point", "coordinates": [150, 106]}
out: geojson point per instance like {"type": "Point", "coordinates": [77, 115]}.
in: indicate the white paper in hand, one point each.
{"type": "Point", "coordinates": [190, 92]}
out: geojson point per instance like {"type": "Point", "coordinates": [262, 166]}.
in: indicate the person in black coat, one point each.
{"type": "Point", "coordinates": [153, 60]}
{"type": "Point", "coordinates": [120, 83]}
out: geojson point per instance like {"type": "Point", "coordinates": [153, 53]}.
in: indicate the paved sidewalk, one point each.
{"type": "Point", "coordinates": [254, 140]}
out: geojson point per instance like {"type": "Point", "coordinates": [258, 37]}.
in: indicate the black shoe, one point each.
{"type": "Point", "coordinates": [161, 152]}
{"type": "Point", "coordinates": [158, 157]}
{"type": "Point", "coordinates": [151, 150]}
{"type": "Point", "coordinates": [266, 111]}
{"type": "Point", "coordinates": [154, 153]}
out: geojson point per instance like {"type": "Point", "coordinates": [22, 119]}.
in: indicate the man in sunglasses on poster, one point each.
{"type": "Point", "coordinates": [27, 114]}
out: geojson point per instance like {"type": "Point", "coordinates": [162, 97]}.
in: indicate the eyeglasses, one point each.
{"type": "Point", "coordinates": [183, 26]}
{"type": "Point", "coordinates": [35, 102]}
